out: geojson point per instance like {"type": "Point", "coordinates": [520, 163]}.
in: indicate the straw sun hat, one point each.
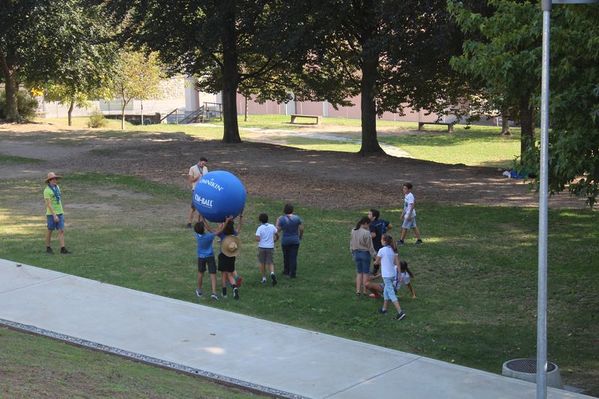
{"type": "Point", "coordinates": [52, 175]}
{"type": "Point", "coordinates": [231, 246]}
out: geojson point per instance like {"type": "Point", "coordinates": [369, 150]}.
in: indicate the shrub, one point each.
{"type": "Point", "coordinates": [96, 120]}
{"type": "Point", "coordinates": [26, 104]}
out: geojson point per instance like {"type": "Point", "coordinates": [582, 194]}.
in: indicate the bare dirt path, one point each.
{"type": "Point", "coordinates": [318, 178]}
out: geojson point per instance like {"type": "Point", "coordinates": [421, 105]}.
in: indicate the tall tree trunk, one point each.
{"type": "Point", "coordinates": [230, 74]}
{"type": "Point", "coordinates": [123, 115]}
{"type": "Point", "coordinates": [70, 111]}
{"type": "Point", "coordinates": [527, 127]}
{"type": "Point", "coordinates": [505, 123]}
{"type": "Point", "coordinates": [11, 88]}
{"type": "Point", "coordinates": [370, 143]}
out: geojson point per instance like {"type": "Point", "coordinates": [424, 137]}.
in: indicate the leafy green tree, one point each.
{"type": "Point", "coordinates": [136, 76]}
{"type": "Point", "coordinates": [574, 112]}
{"type": "Point", "coordinates": [392, 52]}
{"type": "Point", "coordinates": [36, 36]}
{"type": "Point", "coordinates": [502, 51]}
{"type": "Point", "coordinates": [20, 23]}
{"type": "Point", "coordinates": [84, 72]}
{"type": "Point", "coordinates": [224, 43]}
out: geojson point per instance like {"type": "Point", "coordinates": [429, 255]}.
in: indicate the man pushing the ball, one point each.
{"type": "Point", "coordinates": [195, 175]}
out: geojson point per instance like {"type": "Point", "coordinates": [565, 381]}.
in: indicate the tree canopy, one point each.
{"type": "Point", "coordinates": [85, 70]}
{"type": "Point", "coordinates": [136, 76]}
{"type": "Point", "coordinates": [574, 101]}
{"type": "Point", "coordinates": [23, 31]}
{"type": "Point", "coordinates": [394, 53]}
{"type": "Point", "coordinates": [224, 43]}
{"type": "Point", "coordinates": [37, 40]}
{"type": "Point", "coordinates": [502, 51]}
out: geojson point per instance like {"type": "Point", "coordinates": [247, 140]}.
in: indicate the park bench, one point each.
{"type": "Point", "coordinates": [448, 124]}
{"type": "Point", "coordinates": [295, 116]}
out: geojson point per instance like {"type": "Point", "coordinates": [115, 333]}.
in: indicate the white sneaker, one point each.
{"type": "Point", "coordinates": [263, 280]}
{"type": "Point", "coordinates": [198, 292]}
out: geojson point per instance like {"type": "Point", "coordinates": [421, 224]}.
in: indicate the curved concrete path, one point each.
{"type": "Point", "coordinates": [273, 358]}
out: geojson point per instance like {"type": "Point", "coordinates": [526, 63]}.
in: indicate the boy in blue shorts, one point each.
{"type": "Point", "coordinates": [204, 240]}
{"type": "Point", "coordinates": [54, 212]}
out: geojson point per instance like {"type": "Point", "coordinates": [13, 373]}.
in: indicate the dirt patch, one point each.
{"type": "Point", "coordinates": [317, 178]}
{"type": "Point", "coordinates": [130, 195]}
{"type": "Point", "coordinates": [95, 207]}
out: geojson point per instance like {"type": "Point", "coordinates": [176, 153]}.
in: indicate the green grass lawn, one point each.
{"type": "Point", "coordinates": [475, 274]}
{"type": "Point", "coordinates": [39, 367]}
{"type": "Point", "coordinates": [11, 159]}
{"type": "Point", "coordinates": [475, 146]}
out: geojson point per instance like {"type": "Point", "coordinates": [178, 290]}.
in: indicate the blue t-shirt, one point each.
{"type": "Point", "coordinates": [290, 226]}
{"type": "Point", "coordinates": [205, 244]}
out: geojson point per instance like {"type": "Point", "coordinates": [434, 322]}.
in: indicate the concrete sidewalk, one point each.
{"type": "Point", "coordinates": [233, 348]}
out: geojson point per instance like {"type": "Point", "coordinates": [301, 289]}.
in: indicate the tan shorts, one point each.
{"type": "Point", "coordinates": [265, 255]}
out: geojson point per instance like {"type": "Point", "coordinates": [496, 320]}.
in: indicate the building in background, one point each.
{"type": "Point", "coordinates": [180, 99]}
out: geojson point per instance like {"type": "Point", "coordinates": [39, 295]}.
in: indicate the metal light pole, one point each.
{"type": "Point", "coordinates": [543, 196]}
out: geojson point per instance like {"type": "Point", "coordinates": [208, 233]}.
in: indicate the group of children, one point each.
{"type": "Point", "coordinates": [369, 239]}
{"type": "Point", "coordinates": [266, 236]}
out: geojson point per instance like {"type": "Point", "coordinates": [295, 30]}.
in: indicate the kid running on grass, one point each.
{"type": "Point", "coordinates": [408, 215]}
{"type": "Point", "coordinates": [266, 235]}
{"type": "Point", "coordinates": [206, 255]}
{"type": "Point", "coordinates": [388, 258]}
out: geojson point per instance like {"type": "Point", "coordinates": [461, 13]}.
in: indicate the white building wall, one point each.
{"type": "Point", "coordinates": [173, 95]}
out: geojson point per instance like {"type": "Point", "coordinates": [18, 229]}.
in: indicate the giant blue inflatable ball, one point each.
{"type": "Point", "coordinates": [219, 194]}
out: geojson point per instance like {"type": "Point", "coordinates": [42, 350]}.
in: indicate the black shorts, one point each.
{"type": "Point", "coordinates": [211, 265]}
{"type": "Point", "coordinates": [226, 263]}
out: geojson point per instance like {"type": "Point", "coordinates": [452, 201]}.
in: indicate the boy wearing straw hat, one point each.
{"type": "Point", "coordinates": [54, 212]}
{"type": "Point", "coordinates": [229, 249]}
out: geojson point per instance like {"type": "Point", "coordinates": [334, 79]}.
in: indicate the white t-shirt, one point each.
{"type": "Point", "coordinates": [409, 202]}
{"type": "Point", "coordinates": [266, 232]}
{"type": "Point", "coordinates": [404, 278]}
{"type": "Point", "coordinates": [387, 255]}
{"type": "Point", "coordinates": [196, 173]}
